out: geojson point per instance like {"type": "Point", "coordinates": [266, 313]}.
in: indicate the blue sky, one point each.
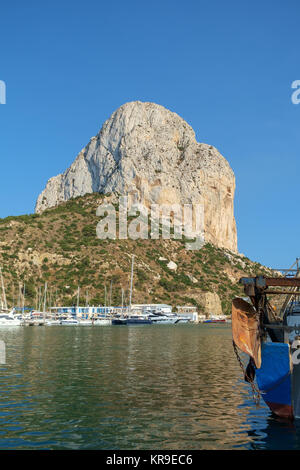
{"type": "Point", "coordinates": [225, 67]}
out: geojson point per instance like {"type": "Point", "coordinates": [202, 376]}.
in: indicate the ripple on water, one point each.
{"type": "Point", "coordinates": [152, 387]}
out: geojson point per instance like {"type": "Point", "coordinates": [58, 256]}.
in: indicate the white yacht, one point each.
{"type": "Point", "coordinates": [69, 321]}
{"type": "Point", "coordinates": [102, 320]}
{"type": "Point", "coordinates": [183, 319]}
{"type": "Point", "coordinates": [162, 320]}
{"type": "Point", "coordinates": [85, 322]}
{"type": "Point", "coordinates": [159, 318]}
{"type": "Point", "coordinates": [52, 322]}
{"type": "Point", "coordinates": [8, 319]}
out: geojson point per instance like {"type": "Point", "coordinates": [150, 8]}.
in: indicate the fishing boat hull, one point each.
{"type": "Point", "coordinates": [271, 339]}
{"type": "Point", "coordinates": [119, 321]}
{"type": "Point", "coordinates": [275, 379]}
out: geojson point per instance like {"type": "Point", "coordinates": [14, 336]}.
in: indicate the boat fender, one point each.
{"type": "Point", "coordinates": [296, 343]}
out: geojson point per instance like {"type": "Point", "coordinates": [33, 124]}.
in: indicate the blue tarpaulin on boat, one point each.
{"type": "Point", "coordinates": [274, 377]}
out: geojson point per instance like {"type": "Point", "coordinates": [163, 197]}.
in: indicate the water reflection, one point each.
{"type": "Point", "coordinates": [149, 387]}
{"type": "Point", "coordinates": [276, 434]}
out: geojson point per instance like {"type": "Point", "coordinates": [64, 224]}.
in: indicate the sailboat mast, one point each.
{"type": "Point", "coordinates": [24, 291]}
{"type": "Point", "coordinates": [45, 297]}
{"type": "Point", "coordinates": [3, 296]}
{"type": "Point", "coordinates": [131, 283]}
{"type": "Point", "coordinates": [19, 296]}
{"type": "Point", "coordinates": [36, 298]}
{"type": "Point", "coordinates": [13, 295]}
{"type": "Point", "coordinates": [78, 299]}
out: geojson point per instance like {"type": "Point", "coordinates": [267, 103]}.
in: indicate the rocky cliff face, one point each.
{"type": "Point", "coordinates": [149, 152]}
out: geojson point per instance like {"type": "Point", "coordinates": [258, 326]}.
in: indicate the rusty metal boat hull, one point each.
{"type": "Point", "coordinates": [245, 329]}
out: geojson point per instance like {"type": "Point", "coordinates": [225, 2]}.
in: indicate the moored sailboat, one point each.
{"type": "Point", "coordinates": [131, 316]}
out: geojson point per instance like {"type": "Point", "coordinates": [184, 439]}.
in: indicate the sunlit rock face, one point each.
{"type": "Point", "coordinates": [151, 154]}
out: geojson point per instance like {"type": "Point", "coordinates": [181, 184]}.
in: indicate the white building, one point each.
{"type": "Point", "coordinates": [189, 312]}
{"type": "Point", "coordinates": [164, 308]}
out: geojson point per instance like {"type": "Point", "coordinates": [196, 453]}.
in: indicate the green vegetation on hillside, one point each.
{"type": "Point", "coordinates": [60, 247]}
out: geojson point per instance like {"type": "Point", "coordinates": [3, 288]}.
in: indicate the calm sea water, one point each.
{"type": "Point", "coordinates": [139, 387]}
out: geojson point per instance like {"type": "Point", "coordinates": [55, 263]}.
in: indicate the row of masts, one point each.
{"type": "Point", "coordinates": [44, 297]}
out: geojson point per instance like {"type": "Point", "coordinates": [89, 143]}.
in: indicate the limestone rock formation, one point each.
{"type": "Point", "coordinates": [209, 301]}
{"type": "Point", "coordinates": [212, 303]}
{"type": "Point", "coordinates": [150, 153]}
